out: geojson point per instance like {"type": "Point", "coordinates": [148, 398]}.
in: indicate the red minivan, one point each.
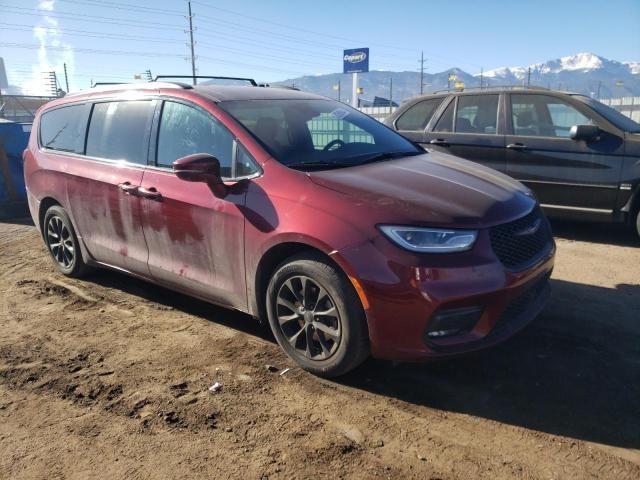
{"type": "Point", "coordinates": [292, 207]}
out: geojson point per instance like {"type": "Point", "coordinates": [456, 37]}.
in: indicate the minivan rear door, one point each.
{"type": "Point", "coordinates": [566, 175]}
{"type": "Point", "coordinates": [471, 127]}
{"type": "Point", "coordinates": [103, 183]}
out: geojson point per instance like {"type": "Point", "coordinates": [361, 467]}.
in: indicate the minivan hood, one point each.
{"type": "Point", "coordinates": [433, 189]}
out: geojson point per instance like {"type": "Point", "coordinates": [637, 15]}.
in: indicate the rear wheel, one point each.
{"type": "Point", "coordinates": [316, 316]}
{"type": "Point", "coordinates": [62, 242]}
{"type": "Point", "coordinates": [638, 222]}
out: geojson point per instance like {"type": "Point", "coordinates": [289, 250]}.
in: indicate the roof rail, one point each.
{"type": "Point", "coordinates": [208, 77]}
{"type": "Point", "coordinates": [494, 87]}
{"type": "Point", "coordinates": [114, 86]}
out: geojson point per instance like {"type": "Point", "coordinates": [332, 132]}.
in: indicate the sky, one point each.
{"type": "Point", "coordinates": [271, 40]}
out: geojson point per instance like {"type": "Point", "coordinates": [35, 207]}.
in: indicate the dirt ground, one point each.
{"type": "Point", "coordinates": [108, 378]}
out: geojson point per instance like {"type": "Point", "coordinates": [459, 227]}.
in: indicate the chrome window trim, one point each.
{"type": "Point", "coordinates": [569, 184]}
{"type": "Point", "coordinates": [576, 209]}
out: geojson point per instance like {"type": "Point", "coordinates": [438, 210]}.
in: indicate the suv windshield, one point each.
{"type": "Point", "coordinates": [614, 116]}
{"type": "Point", "coordinates": [319, 134]}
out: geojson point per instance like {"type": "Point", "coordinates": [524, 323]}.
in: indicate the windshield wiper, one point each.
{"type": "Point", "coordinates": [318, 164]}
{"type": "Point", "coordinates": [378, 157]}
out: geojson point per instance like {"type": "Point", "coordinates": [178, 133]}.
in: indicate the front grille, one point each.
{"type": "Point", "coordinates": [520, 243]}
{"type": "Point", "coordinates": [519, 305]}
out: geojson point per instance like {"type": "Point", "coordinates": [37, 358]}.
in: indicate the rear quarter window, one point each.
{"type": "Point", "coordinates": [63, 129]}
{"type": "Point", "coordinates": [417, 116]}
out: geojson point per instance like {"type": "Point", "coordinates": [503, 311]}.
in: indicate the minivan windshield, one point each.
{"type": "Point", "coordinates": [619, 120]}
{"type": "Point", "coordinates": [318, 133]}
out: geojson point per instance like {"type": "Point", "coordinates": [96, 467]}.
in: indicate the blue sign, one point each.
{"type": "Point", "coordinates": [355, 60]}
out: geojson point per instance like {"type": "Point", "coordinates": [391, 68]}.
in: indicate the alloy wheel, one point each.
{"type": "Point", "coordinates": [60, 242]}
{"type": "Point", "coordinates": [308, 318]}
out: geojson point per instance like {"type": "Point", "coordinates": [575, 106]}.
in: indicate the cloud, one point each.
{"type": "Point", "coordinates": [48, 34]}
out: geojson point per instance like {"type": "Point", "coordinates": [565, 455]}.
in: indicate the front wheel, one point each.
{"type": "Point", "coordinates": [638, 223]}
{"type": "Point", "coordinates": [316, 316]}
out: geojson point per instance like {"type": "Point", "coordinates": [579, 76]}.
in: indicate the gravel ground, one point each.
{"type": "Point", "coordinates": [107, 378]}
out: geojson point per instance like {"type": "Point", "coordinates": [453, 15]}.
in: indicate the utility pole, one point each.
{"type": "Point", "coordinates": [193, 54]}
{"type": "Point", "coordinates": [599, 85]}
{"type": "Point", "coordinates": [529, 77]}
{"type": "Point", "coordinates": [421, 72]}
{"type": "Point", "coordinates": [354, 90]}
{"type": "Point", "coordinates": [481, 74]}
{"type": "Point", "coordinates": [66, 77]}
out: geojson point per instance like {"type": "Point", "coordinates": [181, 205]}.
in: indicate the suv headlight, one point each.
{"type": "Point", "coordinates": [430, 240]}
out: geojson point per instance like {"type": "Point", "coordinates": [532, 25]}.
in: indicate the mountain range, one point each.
{"type": "Point", "coordinates": [585, 73]}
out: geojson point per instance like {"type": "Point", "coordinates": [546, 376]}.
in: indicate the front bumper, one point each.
{"type": "Point", "coordinates": [405, 292]}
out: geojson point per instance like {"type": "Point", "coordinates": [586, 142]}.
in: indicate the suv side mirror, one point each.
{"type": "Point", "coordinates": [584, 132]}
{"type": "Point", "coordinates": [201, 167]}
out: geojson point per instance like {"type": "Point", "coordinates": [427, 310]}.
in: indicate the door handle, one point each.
{"type": "Point", "coordinates": [150, 193]}
{"type": "Point", "coordinates": [440, 142]}
{"type": "Point", "coordinates": [516, 146]}
{"type": "Point", "coordinates": [128, 188]}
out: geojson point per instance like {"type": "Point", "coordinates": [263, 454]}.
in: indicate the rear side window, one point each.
{"type": "Point", "coordinates": [477, 114]}
{"type": "Point", "coordinates": [117, 130]}
{"type": "Point", "coordinates": [63, 129]}
{"type": "Point", "coordinates": [417, 116]}
{"type": "Point", "coordinates": [185, 130]}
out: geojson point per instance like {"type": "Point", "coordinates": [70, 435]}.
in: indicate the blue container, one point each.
{"type": "Point", "coordinates": [13, 140]}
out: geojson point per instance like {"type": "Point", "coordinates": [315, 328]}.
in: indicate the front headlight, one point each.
{"type": "Point", "coordinates": [430, 240]}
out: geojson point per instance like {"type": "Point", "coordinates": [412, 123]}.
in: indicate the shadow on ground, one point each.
{"type": "Point", "coordinates": [574, 372]}
{"type": "Point", "coordinates": [594, 232]}
{"type": "Point", "coordinates": [193, 306]}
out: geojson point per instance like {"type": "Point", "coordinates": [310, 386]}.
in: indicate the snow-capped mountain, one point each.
{"type": "Point", "coordinates": [585, 73]}
{"type": "Point", "coordinates": [634, 67]}
{"type": "Point", "coordinates": [581, 62]}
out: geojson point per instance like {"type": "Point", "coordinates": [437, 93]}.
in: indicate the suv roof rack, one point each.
{"type": "Point", "coordinates": [207, 77]}
{"type": "Point", "coordinates": [495, 87]}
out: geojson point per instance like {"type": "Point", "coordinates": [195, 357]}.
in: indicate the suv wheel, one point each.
{"type": "Point", "coordinates": [316, 316]}
{"type": "Point", "coordinates": [62, 242]}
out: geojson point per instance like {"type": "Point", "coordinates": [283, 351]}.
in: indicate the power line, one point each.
{"type": "Point", "coordinates": [119, 21]}
{"type": "Point", "coordinates": [85, 33]}
{"type": "Point", "coordinates": [124, 6]}
{"type": "Point", "coordinates": [323, 34]}
{"type": "Point", "coordinates": [92, 50]}
{"type": "Point", "coordinates": [94, 18]}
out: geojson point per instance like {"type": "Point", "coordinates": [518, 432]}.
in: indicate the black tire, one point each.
{"type": "Point", "coordinates": [339, 335]}
{"type": "Point", "coordinates": [638, 223]}
{"type": "Point", "coordinates": [62, 242]}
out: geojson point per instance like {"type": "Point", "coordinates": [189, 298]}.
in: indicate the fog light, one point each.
{"type": "Point", "coordinates": [455, 321]}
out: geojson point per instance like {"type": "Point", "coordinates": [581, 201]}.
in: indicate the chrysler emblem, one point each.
{"type": "Point", "coordinates": [530, 230]}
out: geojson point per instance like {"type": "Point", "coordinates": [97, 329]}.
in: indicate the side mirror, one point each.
{"type": "Point", "coordinates": [201, 167]}
{"type": "Point", "coordinates": [584, 132]}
